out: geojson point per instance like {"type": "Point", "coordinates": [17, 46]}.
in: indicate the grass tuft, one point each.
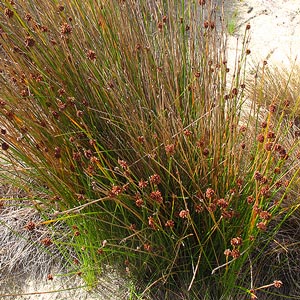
{"type": "Point", "coordinates": [124, 118]}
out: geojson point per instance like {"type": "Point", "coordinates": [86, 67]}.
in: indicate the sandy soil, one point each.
{"type": "Point", "coordinates": [275, 28]}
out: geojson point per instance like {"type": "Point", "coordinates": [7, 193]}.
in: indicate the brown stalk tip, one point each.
{"type": "Point", "coordinates": [155, 179]}
{"type": "Point", "coordinates": [237, 241]}
{"type": "Point", "coordinates": [66, 28]}
{"type": "Point", "coordinates": [260, 138]}
{"type": "Point", "coordinates": [184, 213]}
{"type": "Point", "coordinates": [222, 203]}
{"type": "Point", "coordinates": [8, 13]}
{"type": "Point", "coordinates": [147, 247]}
{"type": "Point", "coordinates": [272, 108]}
{"type": "Point", "coordinates": [209, 193]}
{"type": "Point", "coordinates": [46, 241]}
{"type": "Point", "coordinates": [170, 223]}
{"type": "Point", "coordinates": [29, 41]}
{"type": "Point", "coordinates": [28, 17]}
{"type": "Point", "coordinates": [50, 277]}
{"type": "Point", "coordinates": [187, 132]}
{"type": "Point", "coordinates": [250, 199]}
{"type": "Point", "coordinates": [143, 183]}
{"type": "Point", "coordinates": [261, 226]}
{"type": "Point", "coordinates": [264, 124]}
{"type": "Point", "coordinates": [227, 252]}
{"type": "Point", "coordinates": [79, 113]}
{"type": "Point", "coordinates": [60, 8]}
{"type": "Point", "coordinates": [139, 202]}
{"type": "Point", "coordinates": [91, 55]}
{"type": "Point", "coordinates": [156, 196]}
{"type": "Point", "coordinates": [141, 139]}
{"type": "Point", "coordinates": [160, 25]}
{"type": "Point", "coordinates": [235, 253]}
{"type": "Point", "coordinates": [202, 2]}
{"type": "Point", "coordinates": [170, 149]}
{"type": "Point", "coordinates": [248, 26]}
{"type": "Point", "coordinates": [151, 222]}
{"type": "Point", "coordinates": [265, 215]}
{"type": "Point", "coordinates": [30, 226]}
{"type": "Point", "coordinates": [4, 146]}
{"type": "Point", "coordinates": [278, 283]}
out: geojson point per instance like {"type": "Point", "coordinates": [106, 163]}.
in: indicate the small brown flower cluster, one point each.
{"type": "Point", "coordinates": [170, 149]}
{"type": "Point", "coordinates": [184, 213]}
{"type": "Point", "coordinates": [91, 55]}
{"type": "Point", "coordinates": [261, 226]}
{"type": "Point", "coordinates": [259, 177]}
{"type": "Point", "coordinates": [269, 146]}
{"type": "Point", "coordinates": [141, 139]}
{"type": "Point", "coordinates": [209, 24]}
{"type": "Point", "coordinates": [138, 200]}
{"type": "Point", "coordinates": [170, 223]}
{"type": "Point", "coordinates": [151, 222]}
{"type": "Point", "coordinates": [147, 247]}
{"type": "Point", "coordinates": [187, 132]}
{"type": "Point", "coordinates": [260, 138]}
{"type": "Point", "coordinates": [272, 108]}
{"type": "Point", "coordinates": [29, 42]}
{"type": "Point", "coordinates": [4, 146]}
{"type": "Point", "coordinates": [243, 129]}
{"type": "Point", "coordinates": [222, 203]}
{"type": "Point", "coordinates": [123, 164]}
{"type": "Point", "coordinates": [8, 13]}
{"type": "Point", "coordinates": [265, 191]}
{"type": "Point", "coordinates": [250, 199]}
{"type": "Point", "coordinates": [199, 208]}
{"type": "Point", "coordinates": [281, 151]}
{"type": "Point", "coordinates": [49, 277]}
{"type": "Point", "coordinates": [212, 207]}
{"type": "Point", "coordinates": [155, 179]}
{"type": "Point", "coordinates": [66, 29]}
{"type": "Point", "coordinates": [278, 283]}
{"type": "Point", "coordinates": [265, 215]}
{"type": "Point", "coordinates": [209, 193]}
{"type": "Point", "coordinates": [235, 242]}
{"type": "Point", "coordinates": [271, 135]}
{"type": "Point", "coordinates": [115, 191]}
{"type": "Point", "coordinates": [30, 226]}
{"type": "Point", "coordinates": [235, 253]}
{"type": "Point", "coordinates": [143, 183]}
{"type": "Point", "coordinates": [46, 241]}
{"type": "Point", "coordinates": [156, 196]}
{"type": "Point", "coordinates": [57, 152]}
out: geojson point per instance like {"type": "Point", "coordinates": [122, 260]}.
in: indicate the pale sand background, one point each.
{"type": "Point", "coordinates": [275, 29]}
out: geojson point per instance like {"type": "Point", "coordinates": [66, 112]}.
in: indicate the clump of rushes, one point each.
{"type": "Point", "coordinates": [124, 113]}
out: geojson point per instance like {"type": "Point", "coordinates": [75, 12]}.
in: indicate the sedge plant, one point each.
{"type": "Point", "coordinates": [122, 117]}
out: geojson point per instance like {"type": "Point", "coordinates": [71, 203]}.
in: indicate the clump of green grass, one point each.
{"type": "Point", "coordinates": [123, 114]}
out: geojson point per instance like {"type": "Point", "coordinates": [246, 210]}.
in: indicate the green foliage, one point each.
{"type": "Point", "coordinates": [124, 112]}
{"type": "Point", "coordinates": [232, 23]}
